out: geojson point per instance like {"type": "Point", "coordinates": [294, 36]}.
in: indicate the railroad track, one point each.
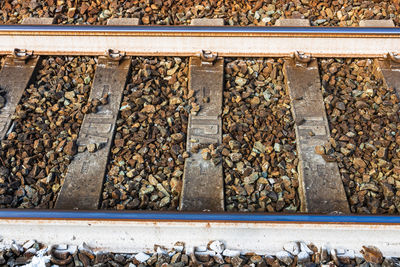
{"type": "Point", "coordinates": [317, 188]}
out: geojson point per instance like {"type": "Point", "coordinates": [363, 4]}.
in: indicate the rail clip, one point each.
{"type": "Point", "coordinates": [22, 54]}
{"type": "Point", "coordinates": [115, 55]}
{"type": "Point", "coordinates": [302, 58]}
{"type": "Point", "coordinates": [392, 56]}
{"type": "Point", "coordinates": [208, 56]}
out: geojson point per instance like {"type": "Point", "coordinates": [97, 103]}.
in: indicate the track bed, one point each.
{"type": "Point", "coordinates": [258, 150]}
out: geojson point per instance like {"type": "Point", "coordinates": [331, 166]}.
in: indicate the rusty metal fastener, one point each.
{"type": "Point", "coordinates": [115, 55]}
{"type": "Point", "coordinates": [393, 57]}
{"type": "Point", "coordinates": [22, 54]}
{"type": "Point", "coordinates": [208, 56]}
{"type": "Point", "coordinates": [301, 57]}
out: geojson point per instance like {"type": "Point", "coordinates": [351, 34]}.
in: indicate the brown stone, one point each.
{"type": "Point", "coordinates": [71, 12]}
{"type": "Point", "coordinates": [320, 150]}
{"type": "Point", "coordinates": [149, 109]}
{"type": "Point", "coordinates": [372, 254]}
{"type": "Point", "coordinates": [382, 152]}
{"type": "Point", "coordinates": [359, 163]}
{"type": "Point", "coordinates": [329, 158]}
{"type": "Point", "coordinates": [70, 148]}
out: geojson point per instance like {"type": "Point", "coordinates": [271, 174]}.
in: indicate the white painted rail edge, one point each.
{"type": "Point", "coordinates": [193, 45]}
{"type": "Point", "coordinates": [133, 236]}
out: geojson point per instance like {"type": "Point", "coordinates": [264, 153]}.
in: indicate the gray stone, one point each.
{"type": "Point", "coordinates": [292, 247]}
{"type": "Point", "coordinates": [217, 246]}
{"type": "Point", "coordinates": [240, 81]}
{"type": "Point", "coordinates": [285, 257]}
{"type": "Point", "coordinates": [303, 257]}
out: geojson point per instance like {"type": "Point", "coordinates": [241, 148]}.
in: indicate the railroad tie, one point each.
{"type": "Point", "coordinates": [321, 189]}
{"type": "Point", "coordinates": [83, 182]}
{"type": "Point", "coordinates": [203, 184]}
{"type": "Point", "coordinates": [387, 68]}
{"type": "Point", "coordinates": [15, 77]}
{"type": "Point", "coordinates": [386, 23]}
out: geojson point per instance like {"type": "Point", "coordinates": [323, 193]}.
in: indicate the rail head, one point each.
{"type": "Point", "coordinates": [82, 40]}
{"type": "Point", "coordinates": [138, 231]}
{"type": "Point", "coordinates": [222, 31]}
{"type": "Point", "coordinates": [222, 217]}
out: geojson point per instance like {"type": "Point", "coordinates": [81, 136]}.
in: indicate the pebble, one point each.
{"type": "Point", "coordinates": [389, 262]}
{"type": "Point", "coordinates": [329, 158]}
{"type": "Point", "coordinates": [216, 246]}
{"type": "Point", "coordinates": [359, 163]}
{"type": "Point", "coordinates": [2, 102]}
{"type": "Point", "coordinates": [45, 128]}
{"type": "Point", "coordinates": [320, 150]}
{"type": "Point", "coordinates": [277, 147]}
{"type": "Point", "coordinates": [252, 13]}
{"type": "Point", "coordinates": [175, 101]}
{"type": "Point", "coordinates": [142, 257]}
{"type": "Point", "coordinates": [177, 137]}
{"type": "Point", "coordinates": [147, 158]}
{"type": "Point", "coordinates": [38, 254]}
{"type": "Point", "coordinates": [292, 247]}
{"type": "Point", "coordinates": [70, 148]}
{"type": "Point", "coordinates": [206, 155]}
{"type": "Point", "coordinates": [237, 261]}
{"type": "Point", "coordinates": [4, 171]}
{"type": "Point", "coordinates": [91, 148]}
{"type": "Point", "coordinates": [259, 147]}
{"type": "Point", "coordinates": [372, 254]}
{"type": "Point", "coordinates": [234, 145]}
{"type": "Point", "coordinates": [255, 13]}
{"type": "Point", "coordinates": [334, 257]}
{"type": "Point", "coordinates": [251, 179]}
{"type": "Point", "coordinates": [240, 81]}
{"type": "Point", "coordinates": [305, 248]}
{"type": "Point", "coordinates": [303, 257]}
{"type": "Point", "coordinates": [285, 257]}
{"type": "Point", "coordinates": [382, 152]}
{"type": "Point", "coordinates": [324, 254]}
{"type": "Point", "coordinates": [259, 139]}
{"type": "Point", "coordinates": [149, 109]}
{"type": "Point", "coordinates": [362, 114]}
{"type": "Point", "coordinates": [231, 253]}
{"type": "Point", "coordinates": [70, 95]}
{"type": "Point", "coordinates": [235, 157]}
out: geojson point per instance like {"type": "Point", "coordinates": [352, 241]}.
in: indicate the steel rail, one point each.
{"type": "Point", "coordinates": [359, 32]}
{"type": "Point", "coordinates": [191, 40]}
{"type": "Point", "coordinates": [200, 216]}
{"type": "Point", "coordinates": [137, 231]}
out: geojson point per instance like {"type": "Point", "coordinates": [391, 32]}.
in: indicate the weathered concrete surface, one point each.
{"type": "Point", "coordinates": [387, 69]}
{"type": "Point", "coordinates": [292, 22]}
{"type": "Point", "coordinates": [203, 183]}
{"type": "Point", "coordinates": [207, 22]}
{"type": "Point", "coordinates": [321, 188]}
{"type": "Point", "coordinates": [84, 179]}
{"type": "Point", "coordinates": [14, 78]}
{"type": "Point", "coordinates": [377, 23]}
